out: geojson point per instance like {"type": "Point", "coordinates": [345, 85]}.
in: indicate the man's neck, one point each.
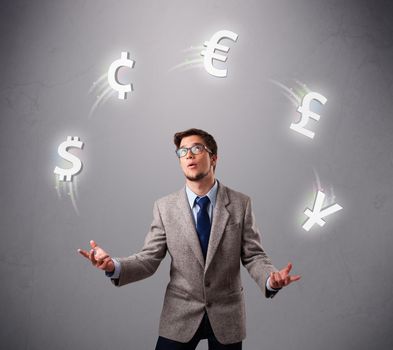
{"type": "Point", "coordinates": [201, 187]}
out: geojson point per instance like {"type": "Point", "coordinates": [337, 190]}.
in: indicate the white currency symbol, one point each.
{"type": "Point", "coordinates": [316, 215]}
{"type": "Point", "coordinates": [66, 174]}
{"type": "Point", "coordinates": [306, 113]}
{"type": "Point", "coordinates": [209, 53]}
{"type": "Point", "coordinates": [124, 61]}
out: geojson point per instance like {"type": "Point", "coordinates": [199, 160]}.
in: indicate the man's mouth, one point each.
{"type": "Point", "coordinates": [192, 166]}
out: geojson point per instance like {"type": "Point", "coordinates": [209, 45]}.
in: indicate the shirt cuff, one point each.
{"type": "Point", "coordinates": [116, 272]}
{"type": "Point", "coordinates": [270, 288]}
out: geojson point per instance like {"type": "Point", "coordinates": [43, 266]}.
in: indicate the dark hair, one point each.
{"type": "Point", "coordinates": [209, 140]}
{"type": "Point", "coordinates": [206, 137]}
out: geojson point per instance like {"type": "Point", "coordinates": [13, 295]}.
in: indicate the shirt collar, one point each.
{"type": "Point", "coordinates": [212, 194]}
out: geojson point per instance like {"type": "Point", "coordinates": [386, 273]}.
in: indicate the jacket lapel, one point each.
{"type": "Point", "coordinates": [187, 225]}
{"type": "Point", "coordinates": [220, 219]}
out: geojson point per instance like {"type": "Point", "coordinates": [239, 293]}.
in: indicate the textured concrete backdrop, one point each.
{"type": "Point", "coordinates": [53, 52]}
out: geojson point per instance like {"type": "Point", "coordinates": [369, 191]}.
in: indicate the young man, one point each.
{"type": "Point", "coordinates": [208, 229]}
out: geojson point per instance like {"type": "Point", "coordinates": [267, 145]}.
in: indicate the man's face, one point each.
{"type": "Point", "coordinates": [196, 166]}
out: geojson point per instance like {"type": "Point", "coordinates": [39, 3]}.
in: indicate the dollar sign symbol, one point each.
{"type": "Point", "coordinates": [66, 174]}
{"type": "Point", "coordinates": [306, 113]}
{"type": "Point", "coordinates": [124, 61]}
{"type": "Point", "coordinates": [209, 53]}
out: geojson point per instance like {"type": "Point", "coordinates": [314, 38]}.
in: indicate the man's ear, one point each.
{"type": "Point", "coordinates": [214, 158]}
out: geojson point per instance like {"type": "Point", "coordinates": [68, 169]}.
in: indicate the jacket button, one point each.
{"type": "Point", "coordinates": [208, 304]}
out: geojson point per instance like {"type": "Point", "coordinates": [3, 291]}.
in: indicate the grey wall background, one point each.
{"type": "Point", "coordinates": [52, 53]}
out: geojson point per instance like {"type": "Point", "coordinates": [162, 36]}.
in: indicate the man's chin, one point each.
{"type": "Point", "coordinates": [196, 177]}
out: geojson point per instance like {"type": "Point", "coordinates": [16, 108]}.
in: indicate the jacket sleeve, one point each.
{"type": "Point", "coordinates": [143, 264]}
{"type": "Point", "coordinates": [253, 257]}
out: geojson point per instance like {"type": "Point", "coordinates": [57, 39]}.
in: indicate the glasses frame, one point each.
{"type": "Point", "coordinates": [190, 149]}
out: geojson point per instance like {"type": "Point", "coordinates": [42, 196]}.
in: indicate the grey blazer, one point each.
{"type": "Point", "coordinates": [197, 286]}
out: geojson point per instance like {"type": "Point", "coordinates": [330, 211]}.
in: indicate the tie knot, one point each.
{"type": "Point", "coordinates": [203, 202]}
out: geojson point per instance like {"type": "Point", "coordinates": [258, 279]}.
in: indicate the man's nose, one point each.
{"type": "Point", "coordinates": [189, 154]}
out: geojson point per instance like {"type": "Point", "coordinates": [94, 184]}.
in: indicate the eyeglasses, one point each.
{"type": "Point", "coordinates": [195, 149]}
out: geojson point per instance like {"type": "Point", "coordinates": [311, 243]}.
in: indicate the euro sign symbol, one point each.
{"type": "Point", "coordinates": [315, 216]}
{"type": "Point", "coordinates": [306, 113]}
{"type": "Point", "coordinates": [209, 53]}
{"type": "Point", "coordinates": [124, 61]}
{"type": "Point", "coordinates": [66, 174]}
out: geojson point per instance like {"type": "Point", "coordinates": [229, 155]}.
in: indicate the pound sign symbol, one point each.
{"type": "Point", "coordinates": [306, 113]}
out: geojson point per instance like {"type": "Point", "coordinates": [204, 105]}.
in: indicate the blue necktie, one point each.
{"type": "Point", "coordinates": [203, 223]}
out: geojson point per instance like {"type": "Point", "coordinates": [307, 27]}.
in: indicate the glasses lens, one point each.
{"type": "Point", "coordinates": [196, 149]}
{"type": "Point", "coordinates": [181, 152]}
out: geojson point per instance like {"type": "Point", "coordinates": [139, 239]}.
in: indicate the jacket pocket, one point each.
{"type": "Point", "coordinates": [232, 226]}
{"type": "Point", "coordinates": [177, 291]}
{"type": "Point", "coordinates": [232, 297]}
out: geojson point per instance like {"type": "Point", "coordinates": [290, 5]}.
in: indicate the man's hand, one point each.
{"type": "Point", "coordinates": [98, 257]}
{"type": "Point", "coordinates": [282, 278]}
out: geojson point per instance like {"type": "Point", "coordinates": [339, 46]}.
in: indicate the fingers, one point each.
{"type": "Point", "coordinates": [280, 279]}
{"type": "Point", "coordinates": [102, 262]}
{"type": "Point", "coordinates": [98, 257]}
{"type": "Point", "coordinates": [92, 258]}
{"type": "Point", "coordinates": [273, 280]}
{"type": "Point", "coordinates": [286, 269]}
{"type": "Point", "coordinates": [93, 244]}
{"type": "Point", "coordinates": [105, 263]}
{"type": "Point", "coordinates": [101, 259]}
{"type": "Point", "coordinates": [295, 278]}
{"type": "Point", "coordinates": [286, 280]}
{"type": "Point", "coordinates": [84, 253]}
{"type": "Point", "coordinates": [88, 255]}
